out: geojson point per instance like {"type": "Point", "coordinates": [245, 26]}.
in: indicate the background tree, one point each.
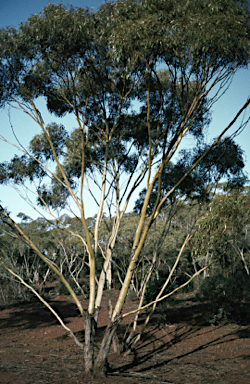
{"type": "Point", "coordinates": [95, 67]}
{"type": "Point", "coordinates": [223, 232]}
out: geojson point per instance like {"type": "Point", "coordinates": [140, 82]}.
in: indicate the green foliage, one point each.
{"type": "Point", "coordinates": [227, 298]}
{"type": "Point", "coordinates": [97, 65]}
{"type": "Point", "coordinates": [148, 28]}
{"type": "Point", "coordinates": [222, 233]}
{"type": "Point", "coordinates": [225, 160]}
{"type": "Point", "coordinates": [11, 291]}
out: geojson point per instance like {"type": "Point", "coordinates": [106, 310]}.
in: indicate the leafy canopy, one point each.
{"type": "Point", "coordinates": [97, 66]}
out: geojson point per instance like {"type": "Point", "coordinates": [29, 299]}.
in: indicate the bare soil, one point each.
{"type": "Point", "coordinates": [35, 349]}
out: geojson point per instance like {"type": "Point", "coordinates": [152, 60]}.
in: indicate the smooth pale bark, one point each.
{"type": "Point", "coordinates": [107, 262]}
{"type": "Point", "coordinates": [131, 335]}
{"type": "Point", "coordinates": [163, 288]}
{"type": "Point", "coordinates": [141, 234]}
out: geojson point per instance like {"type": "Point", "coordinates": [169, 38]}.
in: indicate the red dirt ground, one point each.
{"type": "Point", "coordinates": [34, 348]}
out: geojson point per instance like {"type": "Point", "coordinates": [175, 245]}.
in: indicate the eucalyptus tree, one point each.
{"type": "Point", "coordinates": [223, 233]}
{"type": "Point", "coordinates": [172, 58]}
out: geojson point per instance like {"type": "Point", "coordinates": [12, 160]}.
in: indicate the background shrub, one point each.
{"type": "Point", "coordinates": [227, 298]}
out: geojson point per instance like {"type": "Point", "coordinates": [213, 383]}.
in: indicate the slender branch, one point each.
{"type": "Point", "coordinates": [163, 288]}
{"type": "Point", "coordinates": [47, 261]}
{"type": "Point", "coordinates": [34, 158]}
{"type": "Point", "coordinates": [149, 139]}
{"type": "Point", "coordinates": [202, 156]}
{"type": "Point", "coordinates": [167, 295]}
{"type": "Point", "coordinates": [71, 334]}
{"type": "Point", "coordinates": [100, 210]}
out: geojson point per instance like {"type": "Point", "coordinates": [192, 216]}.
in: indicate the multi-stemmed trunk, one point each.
{"type": "Point", "coordinates": [97, 366]}
{"type": "Point", "coordinates": [101, 363]}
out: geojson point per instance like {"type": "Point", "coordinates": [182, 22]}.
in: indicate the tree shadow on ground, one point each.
{"type": "Point", "coordinates": [149, 349]}
{"type": "Point", "coordinates": [167, 349]}
{"type": "Point", "coordinates": [189, 321]}
{"type": "Point", "coordinates": [33, 314]}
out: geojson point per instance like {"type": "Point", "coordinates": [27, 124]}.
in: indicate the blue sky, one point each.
{"type": "Point", "coordinates": [13, 12]}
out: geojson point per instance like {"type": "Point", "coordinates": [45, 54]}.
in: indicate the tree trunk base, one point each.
{"type": "Point", "coordinates": [101, 363]}
{"type": "Point", "coordinates": [98, 367]}
{"type": "Point", "coordinates": [96, 374]}
{"type": "Point", "coordinates": [90, 327]}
